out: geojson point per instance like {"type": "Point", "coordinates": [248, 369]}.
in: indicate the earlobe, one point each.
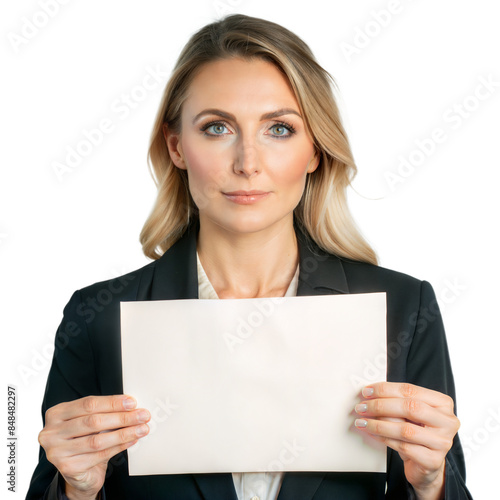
{"type": "Point", "coordinates": [174, 147]}
{"type": "Point", "coordinates": [313, 163]}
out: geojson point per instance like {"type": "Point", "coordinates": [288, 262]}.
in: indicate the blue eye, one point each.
{"type": "Point", "coordinates": [282, 130]}
{"type": "Point", "coordinates": [218, 128]}
{"type": "Point", "coordinates": [214, 129]}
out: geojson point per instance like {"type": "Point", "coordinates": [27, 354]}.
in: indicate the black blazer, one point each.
{"type": "Point", "coordinates": [87, 361]}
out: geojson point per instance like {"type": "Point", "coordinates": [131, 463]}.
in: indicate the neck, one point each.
{"type": "Point", "coordinates": [248, 265]}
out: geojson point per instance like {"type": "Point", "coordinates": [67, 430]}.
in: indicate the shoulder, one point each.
{"type": "Point", "coordinates": [363, 273]}
{"type": "Point", "coordinates": [325, 272]}
{"type": "Point", "coordinates": [124, 287]}
{"type": "Point", "coordinates": [404, 292]}
{"type": "Point", "coordinates": [161, 279]}
{"type": "Point", "coordinates": [348, 275]}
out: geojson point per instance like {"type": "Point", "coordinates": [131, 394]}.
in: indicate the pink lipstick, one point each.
{"type": "Point", "coordinates": [246, 197]}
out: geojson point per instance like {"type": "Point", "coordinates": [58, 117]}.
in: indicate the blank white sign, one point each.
{"type": "Point", "coordinates": [248, 385]}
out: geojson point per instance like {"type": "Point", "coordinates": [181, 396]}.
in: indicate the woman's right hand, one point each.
{"type": "Point", "coordinates": [80, 437]}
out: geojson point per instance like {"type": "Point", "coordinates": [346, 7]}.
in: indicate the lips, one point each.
{"type": "Point", "coordinates": [246, 197]}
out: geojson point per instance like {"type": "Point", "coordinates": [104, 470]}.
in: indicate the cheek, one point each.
{"type": "Point", "coordinates": [205, 174]}
{"type": "Point", "coordinates": [290, 165]}
{"type": "Point", "coordinates": [200, 163]}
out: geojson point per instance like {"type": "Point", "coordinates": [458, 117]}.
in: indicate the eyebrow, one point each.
{"type": "Point", "coordinates": [229, 116]}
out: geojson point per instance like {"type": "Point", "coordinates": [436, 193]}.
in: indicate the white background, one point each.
{"type": "Point", "coordinates": [440, 223]}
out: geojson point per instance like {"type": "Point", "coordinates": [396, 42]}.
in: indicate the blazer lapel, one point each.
{"type": "Point", "coordinates": [175, 274]}
{"type": "Point", "coordinates": [319, 273]}
{"type": "Point", "coordinates": [300, 486]}
{"type": "Point", "coordinates": [216, 486]}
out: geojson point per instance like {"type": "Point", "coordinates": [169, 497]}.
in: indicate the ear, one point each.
{"type": "Point", "coordinates": [174, 147]}
{"type": "Point", "coordinates": [314, 162]}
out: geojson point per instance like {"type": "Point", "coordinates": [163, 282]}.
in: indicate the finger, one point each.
{"type": "Point", "coordinates": [405, 408]}
{"type": "Point", "coordinates": [106, 440]}
{"type": "Point", "coordinates": [404, 390]}
{"type": "Point", "coordinates": [89, 405]}
{"type": "Point", "coordinates": [100, 422]}
{"type": "Point", "coordinates": [406, 432]}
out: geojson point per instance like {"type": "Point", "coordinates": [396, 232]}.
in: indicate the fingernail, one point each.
{"type": "Point", "coordinates": [142, 430]}
{"type": "Point", "coordinates": [129, 403]}
{"type": "Point", "coordinates": [143, 416]}
{"type": "Point", "coordinates": [367, 392]}
{"type": "Point", "coordinates": [359, 422]}
{"type": "Point", "coordinates": [361, 408]}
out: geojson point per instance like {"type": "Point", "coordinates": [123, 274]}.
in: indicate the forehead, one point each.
{"type": "Point", "coordinates": [240, 83]}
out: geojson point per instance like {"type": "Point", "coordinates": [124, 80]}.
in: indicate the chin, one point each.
{"type": "Point", "coordinates": [249, 225]}
{"type": "Point", "coordinates": [245, 227]}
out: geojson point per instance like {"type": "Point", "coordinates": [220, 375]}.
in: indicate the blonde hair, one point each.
{"type": "Point", "coordinates": [322, 211]}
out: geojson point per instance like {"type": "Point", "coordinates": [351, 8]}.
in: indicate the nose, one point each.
{"type": "Point", "coordinates": [246, 161]}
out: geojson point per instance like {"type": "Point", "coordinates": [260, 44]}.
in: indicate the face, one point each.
{"type": "Point", "coordinates": [244, 145]}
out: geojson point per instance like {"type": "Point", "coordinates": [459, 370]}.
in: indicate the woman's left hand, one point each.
{"type": "Point", "coordinates": [418, 423]}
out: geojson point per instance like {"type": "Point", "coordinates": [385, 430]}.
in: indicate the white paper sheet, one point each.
{"type": "Point", "coordinates": [250, 385]}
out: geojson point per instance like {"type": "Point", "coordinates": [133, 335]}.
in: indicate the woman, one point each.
{"type": "Point", "coordinates": [251, 162]}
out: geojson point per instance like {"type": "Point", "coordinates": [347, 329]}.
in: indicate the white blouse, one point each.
{"type": "Point", "coordinates": [249, 485]}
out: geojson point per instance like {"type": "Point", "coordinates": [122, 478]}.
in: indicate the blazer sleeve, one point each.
{"type": "Point", "coordinates": [72, 375]}
{"type": "Point", "coordinates": [428, 365]}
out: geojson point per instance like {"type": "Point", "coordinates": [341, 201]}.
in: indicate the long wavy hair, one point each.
{"type": "Point", "coordinates": [322, 211]}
